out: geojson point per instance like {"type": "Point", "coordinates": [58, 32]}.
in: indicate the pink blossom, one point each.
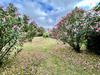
{"type": "Point", "coordinates": [8, 16]}
{"type": "Point", "coordinates": [77, 9]}
{"type": "Point", "coordinates": [81, 19]}
{"type": "Point", "coordinates": [98, 12]}
{"type": "Point", "coordinates": [29, 18]}
{"type": "Point", "coordinates": [84, 23]}
{"type": "Point", "coordinates": [25, 33]}
{"type": "Point", "coordinates": [33, 23]}
{"type": "Point", "coordinates": [18, 27]}
{"type": "Point", "coordinates": [81, 9]}
{"type": "Point", "coordinates": [62, 23]}
{"type": "Point", "coordinates": [84, 68]}
{"type": "Point", "coordinates": [91, 27]}
{"type": "Point", "coordinates": [74, 29]}
{"type": "Point", "coordinates": [69, 25]}
{"type": "Point", "coordinates": [15, 26]}
{"type": "Point", "coordinates": [17, 69]}
{"type": "Point", "coordinates": [1, 11]}
{"type": "Point", "coordinates": [84, 27]}
{"type": "Point", "coordinates": [65, 33]}
{"type": "Point", "coordinates": [15, 14]}
{"type": "Point", "coordinates": [50, 51]}
{"type": "Point", "coordinates": [60, 37]}
{"type": "Point", "coordinates": [3, 19]}
{"type": "Point", "coordinates": [99, 29]}
{"type": "Point", "coordinates": [68, 16]}
{"type": "Point", "coordinates": [7, 13]}
{"type": "Point", "coordinates": [95, 22]}
{"type": "Point", "coordinates": [27, 21]}
{"type": "Point", "coordinates": [56, 28]}
{"type": "Point", "coordinates": [96, 26]}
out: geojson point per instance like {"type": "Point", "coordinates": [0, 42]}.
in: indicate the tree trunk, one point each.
{"type": "Point", "coordinates": [78, 48]}
{"type": "Point", "coordinates": [1, 57]}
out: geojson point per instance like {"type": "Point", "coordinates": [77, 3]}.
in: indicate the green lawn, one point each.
{"type": "Point", "coordinates": [50, 57]}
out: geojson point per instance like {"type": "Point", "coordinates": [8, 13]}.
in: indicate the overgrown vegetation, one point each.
{"type": "Point", "coordinates": [45, 56]}
{"type": "Point", "coordinates": [80, 27]}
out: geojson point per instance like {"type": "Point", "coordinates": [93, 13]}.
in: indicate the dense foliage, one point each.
{"type": "Point", "coordinates": [40, 31]}
{"type": "Point", "coordinates": [93, 34]}
{"type": "Point", "coordinates": [69, 29]}
{"type": "Point", "coordinates": [14, 29]}
{"type": "Point", "coordinates": [78, 27]}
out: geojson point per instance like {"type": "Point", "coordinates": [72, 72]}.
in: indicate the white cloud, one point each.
{"type": "Point", "coordinates": [89, 3]}
{"type": "Point", "coordinates": [43, 16]}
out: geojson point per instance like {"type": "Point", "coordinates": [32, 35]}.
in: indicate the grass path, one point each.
{"type": "Point", "coordinates": [57, 60]}
{"type": "Point", "coordinates": [52, 65]}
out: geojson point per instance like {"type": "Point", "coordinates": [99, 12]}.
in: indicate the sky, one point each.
{"type": "Point", "coordinates": [47, 13]}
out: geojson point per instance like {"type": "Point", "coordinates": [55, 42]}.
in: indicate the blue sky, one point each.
{"type": "Point", "coordinates": [48, 13]}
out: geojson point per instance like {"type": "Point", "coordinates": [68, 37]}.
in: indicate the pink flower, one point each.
{"type": "Point", "coordinates": [1, 11]}
{"type": "Point", "coordinates": [33, 23]}
{"type": "Point", "coordinates": [8, 16]}
{"type": "Point", "coordinates": [51, 52]}
{"type": "Point", "coordinates": [17, 69]}
{"type": "Point", "coordinates": [84, 27]}
{"type": "Point", "coordinates": [15, 26]}
{"type": "Point", "coordinates": [29, 18]}
{"type": "Point", "coordinates": [99, 29]}
{"type": "Point", "coordinates": [74, 29]}
{"type": "Point", "coordinates": [65, 33]}
{"type": "Point", "coordinates": [3, 19]}
{"type": "Point", "coordinates": [7, 13]}
{"type": "Point", "coordinates": [84, 23]}
{"type": "Point", "coordinates": [95, 22]}
{"type": "Point", "coordinates": [98, 12]}
{"type": "Point", "coordinates": [81, 19]}
{"type": "Point", "coordinates": [97, 26]}
{"type": "Point", "coordinates": [84, 68]}
{"type": "Point", "coordinates": [25, 33]}
{"type": "Point", "coordinates": [15, 14]}
{"type": "Point", "coordinates": [81, 9]}
{"type": "Point", "coordinates": [91, 27]}
{"type": "Point", "coordinates": [27, 21]}
{"type": "Point", "coordinates": [77, 9]}
{"type": "Point", "coordinates": [18, 27]}
{"type": "Point", "coordinates": [62, 23]}
{"type": "Point", "coordinates": [56, 28]}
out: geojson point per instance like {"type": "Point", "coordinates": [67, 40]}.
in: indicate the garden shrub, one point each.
{"type": "Point", "coordinates": [14, 29]}
{"type": "Point", "coordinates": [93, 32]}
{"type": "Point", "coordinates": [78, 27]}
{"type": "Point", "coordinates": [69, 29]}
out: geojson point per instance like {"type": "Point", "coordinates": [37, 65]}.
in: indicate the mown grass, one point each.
{"type": "Point", "coordinates": [46, 57]}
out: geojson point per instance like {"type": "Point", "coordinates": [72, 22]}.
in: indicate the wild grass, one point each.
{"type": "Point", "coordinates": [46, 56]}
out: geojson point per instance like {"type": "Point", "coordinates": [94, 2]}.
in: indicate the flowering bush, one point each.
{"type": "Point", "coordinates": [40, 31]}
{"type": "Point", "coordinates": [79, 27]}
{"type": "Point", "coordinates": [70, 30]}
{"type": "Point", "coordinates": [14, 29]}
{"type": "Point", "coordinates": [93, 30]}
